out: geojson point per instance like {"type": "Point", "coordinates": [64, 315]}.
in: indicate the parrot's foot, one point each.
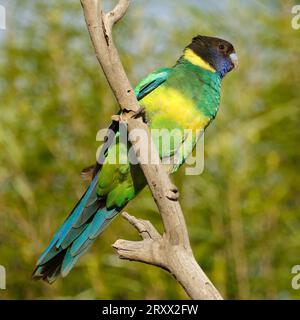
{"type": "Point", "coordinates": [173, 193]}
{"type": "Point", "coordinates": [118, 118]}
{"type": "Point", "coordinates": [140, 113]}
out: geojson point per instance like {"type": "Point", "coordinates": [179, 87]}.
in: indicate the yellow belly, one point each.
{"type": "Point", "coordinates": [170, 104]}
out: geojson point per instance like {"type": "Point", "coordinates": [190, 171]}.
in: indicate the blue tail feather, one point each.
{"type": "Point", "coordinates": [87, 220]}
{"type": "Point", "coordinates": [77, 211]}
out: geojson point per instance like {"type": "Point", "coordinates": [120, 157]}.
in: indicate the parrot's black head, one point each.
{"type": "Point", "coordinates": [216, 53]}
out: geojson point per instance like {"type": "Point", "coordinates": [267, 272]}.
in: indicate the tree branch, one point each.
{"type": "Point", "coordinates": [172, 250]}
{"type": "Point", "coordinates": [118, 12]}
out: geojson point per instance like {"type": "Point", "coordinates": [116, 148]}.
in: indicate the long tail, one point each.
{"type": "Point", "coordinates": [86, 222]}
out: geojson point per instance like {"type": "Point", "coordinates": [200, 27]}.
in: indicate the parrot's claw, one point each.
{"type": "Point", "coordinates": [115, 117]}
{"type": "Point", "coordinates": [119, 118]}
{"type": "Point", "coordinates": [140, 113]}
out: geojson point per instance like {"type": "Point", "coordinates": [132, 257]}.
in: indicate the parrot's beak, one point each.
{"type": "Point", "coordinates": [234, 59]}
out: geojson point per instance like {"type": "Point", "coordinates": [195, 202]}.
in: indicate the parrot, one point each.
{"type": "Point", "coordinates": [185, 96]}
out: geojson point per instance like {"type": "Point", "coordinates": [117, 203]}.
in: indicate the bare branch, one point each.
{"type": "Point", "coordinates": [117, 13]}
{"type": "Point", "coordinates": [147, 250]}
{"type": "Point", "coordinates": [157, 250]}
{"type": "Point", "coordinates": [144, 227]}
{"type": "Point", "coordinates": [172, 250]}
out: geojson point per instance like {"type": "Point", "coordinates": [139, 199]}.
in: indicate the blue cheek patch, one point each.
{"type": "Point", "coordinates": [224, 66]}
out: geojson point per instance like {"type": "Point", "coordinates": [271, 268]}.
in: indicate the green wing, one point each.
{"type": "Point", "coordinates": [151, 82]}
{"type": "Point", "coordinates": [120, 182]}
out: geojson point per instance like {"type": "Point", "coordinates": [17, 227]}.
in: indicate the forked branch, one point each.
{"type": "Point", "coordinates": [170, 251]}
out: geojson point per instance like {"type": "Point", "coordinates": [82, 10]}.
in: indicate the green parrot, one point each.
{"type": "Point", "coordinates": [186, 96]}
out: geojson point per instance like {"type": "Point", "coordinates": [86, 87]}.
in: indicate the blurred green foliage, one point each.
{"type": "Point", "coordinates": [242, 212]}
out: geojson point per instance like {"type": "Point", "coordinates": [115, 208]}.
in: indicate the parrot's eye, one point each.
{"type": "Point", "coordinates": [221, 47]}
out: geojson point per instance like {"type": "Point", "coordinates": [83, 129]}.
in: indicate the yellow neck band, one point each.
{"type": "Point", "coordinates": [196, 60]}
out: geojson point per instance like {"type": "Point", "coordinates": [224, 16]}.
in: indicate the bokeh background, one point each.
{"type": "Point", "coordinates": [242, 213]}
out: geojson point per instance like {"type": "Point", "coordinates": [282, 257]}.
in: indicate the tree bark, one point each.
{"type": "Point", "coordinates": [170, 251]}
